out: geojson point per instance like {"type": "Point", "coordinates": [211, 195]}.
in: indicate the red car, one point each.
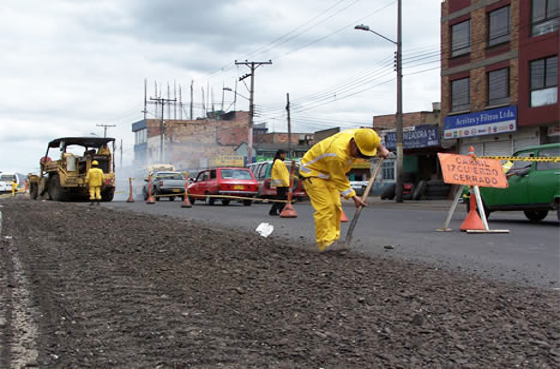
{"type": "Point", "coordinates": [262, 171]}
{"type": "Point", "coordinates": [224, 181]}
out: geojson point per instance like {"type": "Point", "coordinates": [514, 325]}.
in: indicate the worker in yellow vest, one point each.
{"type": "Point", "coordinates": [14, 187]}
{"type": "Point", "coordinates": [279, 178]}
{"type": "Point", "coordinates": [323, 170]}
{"type": "Point", "coordinates": [94, 181]}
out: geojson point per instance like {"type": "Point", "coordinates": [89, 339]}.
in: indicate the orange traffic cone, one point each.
{"type": "Point", "coordinates": [289, 211]}
{"type": "Point", "coordinates": [130, 197]}
{"type": "Point", "coordinates": [150, 200]}
{"type": "Point", "coordinates": [472, 220]}
{"type": "Point", "coordinates": [186, 201]}
{"type": "Point", "coordinates": [343, 218]}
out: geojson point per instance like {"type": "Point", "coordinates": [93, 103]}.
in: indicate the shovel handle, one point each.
{"type": "Point", "coordinates": [348, 239]}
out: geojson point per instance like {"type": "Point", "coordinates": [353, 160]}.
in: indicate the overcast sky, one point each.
{"type": "Point", "coordinates": [69, 65]}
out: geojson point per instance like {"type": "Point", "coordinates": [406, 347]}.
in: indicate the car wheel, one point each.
{"type": "Point", "coordinates": [558, 213]}
{"type": "Point", "coordinates": [247, 202]}
{"type": "Point", "coordinates": [225, 202]}
{"type": "Point", "coordinates": [191, 199]}
{"type": "Point", "coordinates": [171, 198]}
{"type": "Point", "coordinates": [209, 200]}
{"type": "Point", "coordinates": [419, 190]}
{"type": "Point", "coordinates": [389, 192]}
{"type": "Point", "coordinates": [535, 216]}
{"type": "Point", "coordinates": [145, 194]}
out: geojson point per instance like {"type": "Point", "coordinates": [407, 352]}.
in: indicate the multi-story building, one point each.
{"type": "Point", "coordinates": [499, 78]}
{"type": "Point", "coordinates": [190, 144]}
{"type": "Point", "coordinates": [421, 143]}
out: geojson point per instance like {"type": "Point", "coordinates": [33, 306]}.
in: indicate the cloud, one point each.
{"type": "Point", "coordinates": [68, 66]}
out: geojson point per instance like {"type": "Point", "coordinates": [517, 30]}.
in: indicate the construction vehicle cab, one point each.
{"type": "Point", "coordinates": [63, 179]}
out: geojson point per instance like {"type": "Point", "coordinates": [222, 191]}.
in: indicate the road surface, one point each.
{"type": "Point", "coordinates": [528, 255]}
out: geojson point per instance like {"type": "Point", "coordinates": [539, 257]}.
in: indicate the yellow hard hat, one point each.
{"type": "Point", "coordinates": [367, 141]}
{"type": "Point", "coordinates": [95, 163]}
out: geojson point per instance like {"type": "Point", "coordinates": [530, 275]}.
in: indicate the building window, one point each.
{"type": "Point", "coordinates": [544, 81]}
{"type": "Point", "coordinates": [141, 136]}
{"type": "Point", "coordinates": [498, 26]}
{"type": "Point", "coordinates": [460, 95]}
{"type": "Point", "coordinates": [544, 16]}
{"type": "Point", "coordinates": [388, 169]}
{"type": "Point", "coordinates": [461, 38]}
{"type": "Point", "coordinates": [498, 87]}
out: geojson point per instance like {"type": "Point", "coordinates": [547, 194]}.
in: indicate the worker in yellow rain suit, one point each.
{"type": "Point", "coordinates": [94, 181]}
{"type": "Point", "coordinates": [104, 150]}
{"type": "Point", "coordinates": [14, 187]}
{"type": "Point", "coordinates": [323, 170]}
{"type": "Point", "coordinates": [279, 178]}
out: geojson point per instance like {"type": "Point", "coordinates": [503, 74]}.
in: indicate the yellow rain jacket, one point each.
{"type": "Point", "coordinates": [325, 166]}
{"type": "Point", "coordinates": [280, 176]}
{"type": "Point", "coordinates": [14, 187]}
{"type": "Point", "coordinates": [94, 177]}
{"type": "Point", "coordinates": [104, 150]}
{"type": "Point", "coordinates": [330, 159]}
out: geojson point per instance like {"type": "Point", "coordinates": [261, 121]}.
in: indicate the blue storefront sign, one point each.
{"type": "Point", "coordinates": [488, 122]}
{"type": "Point", "coordinates": [415, 137]}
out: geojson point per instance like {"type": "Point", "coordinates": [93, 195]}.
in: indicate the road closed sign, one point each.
{"type": "Point", "coordinates": [464, 170]}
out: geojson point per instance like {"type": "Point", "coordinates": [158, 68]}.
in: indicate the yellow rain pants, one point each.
{"type": "Point", "coordinates": [325, 199]}
{"type": "Point", "coordinates": [95, 193]}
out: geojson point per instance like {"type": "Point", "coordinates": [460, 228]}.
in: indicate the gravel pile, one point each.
{"type": "Point", "coordinates": [123, 290]}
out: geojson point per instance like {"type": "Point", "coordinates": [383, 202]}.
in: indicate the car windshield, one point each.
{"type": "Point", "coordinates": [235, 174]}
{"type": "Point", "coordinates": [7, 178]}
{"type": "Point", "coordinates": [177, 176]}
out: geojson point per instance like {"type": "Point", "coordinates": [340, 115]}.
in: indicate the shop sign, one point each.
{"type": "Point", "coordinates": [227, 161]}
{"type": "Point", "coordinates": [553, 131]}
{"type": "Point", "coordinates": [415, 137]}
{"type": "Point", "coordinates": [488, 122]}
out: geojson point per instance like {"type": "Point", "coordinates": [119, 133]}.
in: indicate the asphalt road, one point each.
{"type": "Point", "coordinates": [528, 255]}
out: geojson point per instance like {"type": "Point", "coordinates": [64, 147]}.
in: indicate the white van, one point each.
{"type": "Point", "coordinates": [6, 181]}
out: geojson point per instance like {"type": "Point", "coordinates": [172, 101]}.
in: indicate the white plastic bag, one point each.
{"type": "Point", "coordinates": [265, 229]}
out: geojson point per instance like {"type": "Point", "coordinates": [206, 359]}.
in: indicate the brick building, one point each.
{"type": "Point", "coordinates": [499, 83]}
{"type": "Point", "coordinates": [189, 144]}
{"type": "Point", "coordinates": [421, 143]}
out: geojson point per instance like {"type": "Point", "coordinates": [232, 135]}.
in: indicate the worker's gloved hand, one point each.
{"type": "Point", "coordinates": [358, 202]}
{"type": "Point", "coordinates": [382, 152]}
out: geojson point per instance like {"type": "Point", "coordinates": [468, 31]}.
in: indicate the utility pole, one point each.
{"type": "Point", "coordinates": [121, 151]}
{"type": "Point", "coordinates": [253, 66]}
{"type": "Point", "coordinates": [289, 126]}
{"type": "Point", "coordinates": [105, 126]}
{"type": "Point", "coordinates": [162, 101]}
{"type": "Point", "coordinates": [400, 153]}
{"type": "Point", "coordinates": [145, 97]}
{"type": "Point", "coordinates": [192, 97]}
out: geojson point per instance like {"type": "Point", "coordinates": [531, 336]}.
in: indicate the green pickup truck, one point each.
{"type": "Point", "coordinates": [534, 187]}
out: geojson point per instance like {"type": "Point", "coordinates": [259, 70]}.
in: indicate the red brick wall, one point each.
{"type": "Point", "coordinates": [409, 120]}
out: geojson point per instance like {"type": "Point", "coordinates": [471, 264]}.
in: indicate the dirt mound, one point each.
{"type": "Point", "coordinates": [123, 290]}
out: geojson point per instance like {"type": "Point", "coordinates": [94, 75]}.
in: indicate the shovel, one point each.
{"type": "Point", "coordinates": [348, 239]}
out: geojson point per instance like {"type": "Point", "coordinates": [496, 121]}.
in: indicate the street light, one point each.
{"type": "Point", "coordinates": [398, 43]}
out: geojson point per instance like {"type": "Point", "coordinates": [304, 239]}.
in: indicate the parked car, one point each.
{"type": "Point", "coordinates": [165, 183]}
{"type": "Point", "coordinates": [262, 171]}
{"type": "Point", "coordinates": [224, 181]}
{"type": "Point", "coordinates": [534, 187]}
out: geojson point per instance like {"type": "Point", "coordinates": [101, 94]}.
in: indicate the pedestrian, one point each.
{"type": "Point", "coordinates": [94, 180]}
{"type": "Point", "coordinates": [14, 187]}
{"type": "Point", "coordinates": [280, 178]}
{"type": "Point", "coordinates": [323, 170]}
